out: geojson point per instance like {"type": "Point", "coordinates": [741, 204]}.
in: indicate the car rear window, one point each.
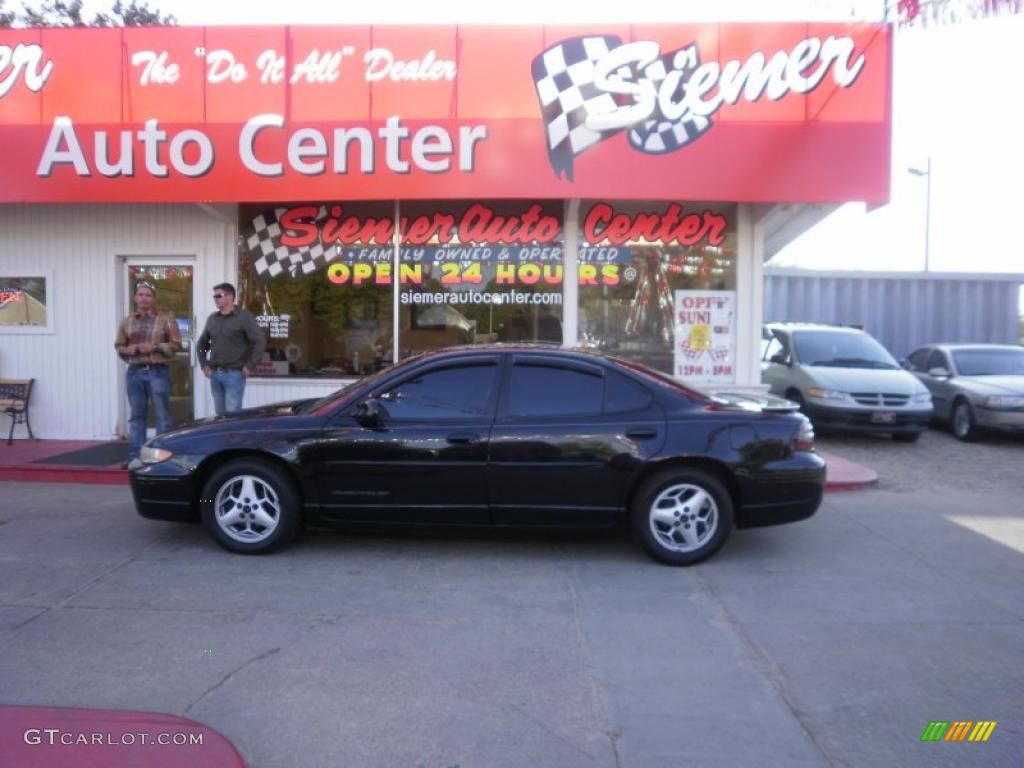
{"type": "Point", "coordinates": [989, 362]}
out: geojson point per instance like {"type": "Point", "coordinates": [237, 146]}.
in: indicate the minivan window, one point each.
{"type": "Point", "coordinates": [841, 350]}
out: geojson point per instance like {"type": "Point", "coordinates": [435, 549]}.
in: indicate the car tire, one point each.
{"type": "Point", "coordinates": [250, 506]}
{"type": "Point", "coordinates": [906, 437]}
{"type": "Point", "coordinates": [682, 516]}
{"type": "Point", "coordinates": [962, 424]}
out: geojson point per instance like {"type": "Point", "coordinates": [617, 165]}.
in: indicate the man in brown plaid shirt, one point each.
{"type": "Point", "coordinates": [147, 340]}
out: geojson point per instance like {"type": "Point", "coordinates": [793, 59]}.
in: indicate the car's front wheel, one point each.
{"type": "Point", "coordinates": [965, 426]}
{"type": "Point", "coordinates": [250, 506]}
{"type": "Point", "coordinates": [682, 516]}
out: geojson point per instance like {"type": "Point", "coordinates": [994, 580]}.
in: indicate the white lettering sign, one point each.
{"type": "Point", "coordinates": [25, 61]}
{"type": "Point", "coordinates": [381, 64]}
{"type": "Point", "coordinates": [156, 69]}
{"type": "Point", "coordinates": [221, 66]}
{"type": "Point", "coordinates": [710, 85]}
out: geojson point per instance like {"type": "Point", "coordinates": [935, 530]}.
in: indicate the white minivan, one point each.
{"type": "Point", "coordinates": [843, 379]}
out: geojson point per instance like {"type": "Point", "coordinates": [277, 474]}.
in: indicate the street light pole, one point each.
{"type": "Point", "coordinates": [927, 173]}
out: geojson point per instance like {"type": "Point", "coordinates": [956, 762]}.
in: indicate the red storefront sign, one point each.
{"type": "Point", "coordinates": [743, 112]}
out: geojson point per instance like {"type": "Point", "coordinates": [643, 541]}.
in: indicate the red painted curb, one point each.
{"type": "Point", "coordinates": [33, 473]}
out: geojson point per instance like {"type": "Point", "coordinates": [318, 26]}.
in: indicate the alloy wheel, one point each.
{"type": "Point", "coordinates": [247, 509]}
{"type": "Point", "coordinates": [683, 518]}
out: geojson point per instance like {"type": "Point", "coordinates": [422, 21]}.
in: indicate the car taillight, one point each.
{"type": "Point", "coordinates": [804, 438]}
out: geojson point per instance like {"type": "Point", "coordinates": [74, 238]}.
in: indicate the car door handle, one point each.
{"type": "Point", "coordinates": [641, 433]}
{"type": "Point", "coordinates": [463, 438]}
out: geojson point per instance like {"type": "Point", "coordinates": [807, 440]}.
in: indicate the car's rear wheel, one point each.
{"type": "Point", "coordinates": [250, 506]}
{"type": "Point", "coordinates": [682, 516]}
{"type": "Point", "coordinates": [964, 425]}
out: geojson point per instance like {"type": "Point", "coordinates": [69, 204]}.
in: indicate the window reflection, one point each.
{"type": "Point", "coordinates": [636, 255]}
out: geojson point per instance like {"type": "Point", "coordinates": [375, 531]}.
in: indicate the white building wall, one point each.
{"type": "Point", "coordinates": [79, 387]}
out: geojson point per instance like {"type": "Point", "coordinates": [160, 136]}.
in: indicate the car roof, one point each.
{"type": "Point", "coordinates": [952, 347]}
{"type": "Point", "coordinates": [531, 347]}
{"type": "Point", "coordinates": [813, 327]}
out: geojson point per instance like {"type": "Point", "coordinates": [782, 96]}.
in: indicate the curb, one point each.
{"type": "Point", "coordinates": [33, 473]}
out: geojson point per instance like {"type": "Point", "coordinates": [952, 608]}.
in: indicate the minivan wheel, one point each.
{"type": "Point", "coordinates": [682, 516]}
{"type": "Point", "coordinates": [250, 506]}
{"type": "Point", "coordinates": [964, 425]}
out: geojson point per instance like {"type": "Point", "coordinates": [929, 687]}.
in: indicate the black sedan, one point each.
{"type": "Point", "coordinates": [521, 435]}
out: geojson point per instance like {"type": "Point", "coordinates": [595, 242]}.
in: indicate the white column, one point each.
{"type": "Point", "coordinates": [749, 297]}
{"type": "Point", "coordinates": [570, 274]}
{"type": "Point", "coordinates": [395, 320]}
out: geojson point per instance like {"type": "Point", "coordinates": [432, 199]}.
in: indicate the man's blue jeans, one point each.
{"type": "Point", "coordinates": [145, 384]}
{"type": "Point", "coordinates": [227, 387]}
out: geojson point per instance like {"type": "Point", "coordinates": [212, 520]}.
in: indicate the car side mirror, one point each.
{"type": "Point", "coordinates": [781, 358]}
{"type": "Point", "coordinates": [939, 373]}
{"type": "Point", "coordinates": [369, 413]}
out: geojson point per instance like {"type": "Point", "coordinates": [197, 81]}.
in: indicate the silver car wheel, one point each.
{"type": "Point", "coordinates": [683, 518]}
{"type": "Point", "coordinates": [962, 420]}
{"type": "Point", "coordinates": [247, 509]}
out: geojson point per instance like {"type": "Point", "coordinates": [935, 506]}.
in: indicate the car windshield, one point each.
{"type": "Point", "coordinates": [367, 381]}
{"type": "Point", "coordinates": [841, 350]}
{"type": "Point", "coordinates": [989, 362]}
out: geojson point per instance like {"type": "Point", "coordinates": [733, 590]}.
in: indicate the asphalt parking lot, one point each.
{"type": "Point", "coordinates": [832, 642]}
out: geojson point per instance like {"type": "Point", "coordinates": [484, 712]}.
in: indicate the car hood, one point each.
{"type": "Point", "coordinates": [897, 382]}
{"type": "Point", "coordinates": [992, 385]}
{"type": "Point", "coordinates": [255, 418]}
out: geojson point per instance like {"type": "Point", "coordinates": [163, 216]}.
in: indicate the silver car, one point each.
{"type": "Point", "coordinates": [974, 387]}
{"type": "Point", "coordinates": [843, 379]}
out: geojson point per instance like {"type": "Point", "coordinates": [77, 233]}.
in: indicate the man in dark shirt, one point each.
{"type": "Point", "coordinates": [229, 350]}
{"type": "Point", "coordinates": [147, 340]}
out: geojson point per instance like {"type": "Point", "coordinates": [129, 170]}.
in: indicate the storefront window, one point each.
{"type": "Point", "coordinates": [634, 258]}
{"type": "Point", "coordinates": [475, 272]}
{"type": "Point", "coordinates": [22, 302]}
{"type": "Point", "coordinates": [318, 278]}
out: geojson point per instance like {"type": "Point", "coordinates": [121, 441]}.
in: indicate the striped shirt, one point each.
{"type": "Point", "coordinates": [157, 328]}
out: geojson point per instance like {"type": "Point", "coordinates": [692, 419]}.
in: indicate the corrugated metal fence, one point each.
{"type": "Point", "coordinates": [903, 310]}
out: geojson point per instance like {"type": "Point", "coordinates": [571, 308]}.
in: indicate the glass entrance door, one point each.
{"type": "Point", "coordinates": [174, 286]}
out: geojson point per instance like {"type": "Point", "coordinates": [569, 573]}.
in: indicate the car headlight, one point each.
{"type": "Point", "coordinates": [150, 455]}
{"type": "Point", "coordinates": [818, 393]}
{"type": "Point", "coordinates": [923, 397]}
{"type": "Point", "coordinates": [1004, 401]}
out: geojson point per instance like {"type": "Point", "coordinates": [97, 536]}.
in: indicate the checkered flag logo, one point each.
{"type": "Point", "coordinates": [564, 76]}
{"type": "Point", "coordinates": [271, 258]}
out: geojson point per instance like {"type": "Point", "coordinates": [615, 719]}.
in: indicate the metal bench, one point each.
{"type": "Point", "coordinates": [14, 395]}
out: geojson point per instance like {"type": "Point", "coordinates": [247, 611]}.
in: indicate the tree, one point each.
{"type": "Point", "coordinates": [68, 13]}
{"type": "Point", "coordinates": [926, 13]}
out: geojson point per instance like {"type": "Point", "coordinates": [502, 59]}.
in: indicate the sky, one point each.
{"type": "Point", "coordinates": [955, 102]}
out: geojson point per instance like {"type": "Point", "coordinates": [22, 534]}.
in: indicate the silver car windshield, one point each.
{"type": "Point", "coordinates": [841, 350]}
{"type": "Point", "coordinates": [989, 362]}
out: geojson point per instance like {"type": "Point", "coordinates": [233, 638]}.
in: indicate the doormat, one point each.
{"type": "Point", "coordinates": [103, 455]}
